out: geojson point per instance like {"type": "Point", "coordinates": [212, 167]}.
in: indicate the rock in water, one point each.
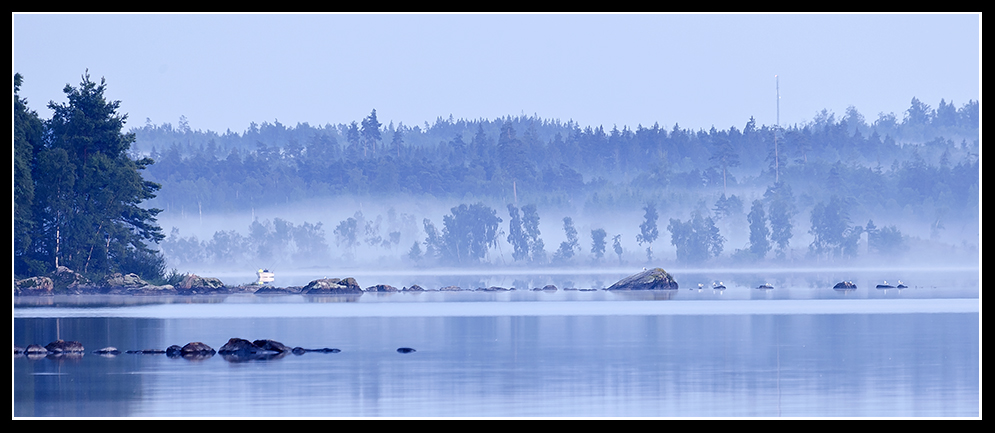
{"type": "Point", "coordinates": [196, 348]}
{"type": "Point", "coordinates": [60, 346]}
{"type": "Point", "coordinates": [270, 345]}
{"type": "Point", "coordinates": [405, 350]}
{"type": "Point", "coordinates": [237, 346]}
{"type": "Point", "coordinates": [651, 279]}
{"type": "Point", "coordinates": [332, 286]}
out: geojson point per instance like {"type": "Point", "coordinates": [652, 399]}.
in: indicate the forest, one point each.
{"type": "Point", "coordinates": [528, 191]}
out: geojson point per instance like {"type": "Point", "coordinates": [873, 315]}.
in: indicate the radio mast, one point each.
{"type": "Point", "coordinates": [777, 128]}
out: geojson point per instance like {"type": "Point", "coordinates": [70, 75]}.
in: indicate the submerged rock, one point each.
{"type": "Point", "coordinates": [301, 350]}
{"type": "Point", "coordinates": [151, 351]}
{"type": "Point", "coordinates": [270, 290]}
{"type": "Point", "coordinates": [35, 350]}
{"type": "Point", "coordinates": [652, 279]}
{"type": "Point", "coordinates": [110, 350]}
{"type": "Point", "coordinates": [492, 289]}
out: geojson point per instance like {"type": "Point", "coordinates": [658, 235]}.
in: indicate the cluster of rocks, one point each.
{"type": "Point", "coordinates": [63, 280]}
{"type": "Point", "coordinates": [235, 350]}
{"type": "Point", "coordinates": [56, 348]}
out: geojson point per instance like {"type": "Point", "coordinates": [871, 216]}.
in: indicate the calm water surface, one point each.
{"type": "Point", "coordinates": [794, 351]}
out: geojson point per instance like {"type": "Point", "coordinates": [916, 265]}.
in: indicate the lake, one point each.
{"type": "Point", "coordinates": [800, 349]}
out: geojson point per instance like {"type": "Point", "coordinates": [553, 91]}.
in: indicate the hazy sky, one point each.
{"type": "Point", "coordinates": [225, 71]}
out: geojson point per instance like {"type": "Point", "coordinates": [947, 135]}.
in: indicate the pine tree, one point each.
{"type": "Point", "coordinates": [647, 230]}
{"type": "Point", "coordinates": [91, 190]}
{"type": "Point", "coordinates": [759, 234]}
{"type": "Point", "coordinates": [28, 133]}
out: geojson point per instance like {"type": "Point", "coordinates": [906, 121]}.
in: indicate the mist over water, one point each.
{"type": "Point", "coordinates": [388, 262]}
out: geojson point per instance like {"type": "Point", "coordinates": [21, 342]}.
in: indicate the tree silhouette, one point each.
{"type": "Point", "coordinates": [648, 231]}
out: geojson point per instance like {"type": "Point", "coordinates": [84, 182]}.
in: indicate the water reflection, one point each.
{"type": "Point", "coordinates": [800, 349]}
{"type": "Point", "coordinates": [635, 365]}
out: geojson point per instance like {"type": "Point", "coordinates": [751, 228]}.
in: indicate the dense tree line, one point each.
{"type": "Point", "coordinates": [544, 161]}
{"type": "Point", "coordinates": [828, 165]}
{"type": "Point", "coordinates": [78, 195]}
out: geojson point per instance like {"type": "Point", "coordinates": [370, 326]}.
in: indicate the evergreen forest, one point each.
{"type": "Point", "coordinates": [511, 191]}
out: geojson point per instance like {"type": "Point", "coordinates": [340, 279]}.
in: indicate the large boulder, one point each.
{"type": "Point", "coordinates": [194, 350]}
{"type": "Point", "coordinates": [118, 280]}
{"type": "Point", "coordinates": [132, 284]}
{"type": "Point", "coordinates": [194, 284]}
{"type": "Point", "coordinates": [381, 288]}
{"type": "Point", "coordinates": [67, 280]}
{"type": "Point", "coordinates": [651, 279]}
{"type": "Point", "coordinates": [237, 346]}
{"type": "Point", "coordinates": [61, 280]}
{"type": "Point", "coordinates": [332, 286]}
{"type": "Point", "coordinates": [272, 290]}
{"type": "Point", "coordinates": [34, 286]}
{"type": "Point", "coordinates": [61, 346]}
{"type": "Point", "coordinates": [845, 285]}
{"type": "Point", "coordinates": [271, 345]}
{"type": "Point", "coordinates": [152, 290]}
{"type": "Point", "coordinates": [240, 349]}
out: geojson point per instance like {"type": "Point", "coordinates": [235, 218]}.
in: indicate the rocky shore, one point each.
{"type": "Point", "coordinates": [65, 281]}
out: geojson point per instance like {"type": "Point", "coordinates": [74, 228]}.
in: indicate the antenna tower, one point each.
{"type": "Point", "coordinates": [777, 128]}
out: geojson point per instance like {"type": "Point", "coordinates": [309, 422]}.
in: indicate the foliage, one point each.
{"type": "Point", "coordinates": [598, 243]}
{"type": "Point", "coordinates": [648, 231]}
{"type": "Point", "coordinates": [85, 210]}
{"type": "Point", "coordinates": [759, 233]}
{"type": "Point", "coordinates": [834, 236]}
{"type": "Point", "coordinates": [696, 240]}
{"type": "Point", "coordinates": [28, 135]}
{"type": "Point", "coordinates": [886, 240]}
{"type": "Point", "coordinates": [781, 208]}
{"type": "Point", "coordinates": [617, 247]}
{"type": "Point", "coordinates": [567, 247]}
{"type": "Point", "coordinates": [468, 232]}
{"type": "Point", "coordinates": [530, 226]}
{"type": "Point", "coordinates": [516, 236]}
{"type": "Point", "coordinates": [347, 233]}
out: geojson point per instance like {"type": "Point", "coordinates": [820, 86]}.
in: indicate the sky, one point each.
{"type": "Point", "coordinates": [223, 71]}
